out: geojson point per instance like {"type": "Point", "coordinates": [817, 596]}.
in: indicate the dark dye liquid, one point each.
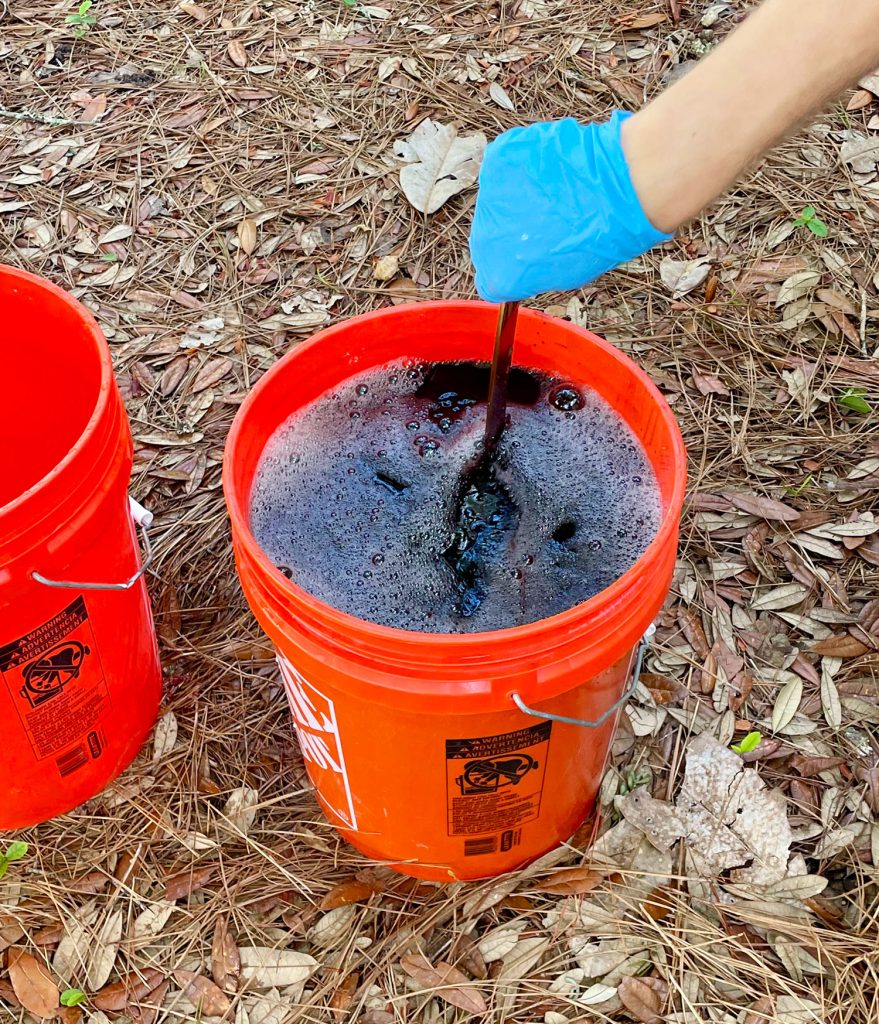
{"type": "Point", "coordinates": [374, 498]}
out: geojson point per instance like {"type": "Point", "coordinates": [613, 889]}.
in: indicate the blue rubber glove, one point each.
{"type": "Point", "coordinates": [556, 208]}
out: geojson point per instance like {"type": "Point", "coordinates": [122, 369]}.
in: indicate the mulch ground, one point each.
{"type": "Point", "coordinates": [217, 181]}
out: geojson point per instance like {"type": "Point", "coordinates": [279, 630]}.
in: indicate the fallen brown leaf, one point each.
{"type": "Point", "coordinates": [246, 232]}
{"type": "Point", "coordinates": [809, 766]}
{"type": "Point", "coordinates": [844, 646]}
{"type": "Point", "coordinates": [186, 882]}
{"type": "Point", "coordinates": [861, 98]}
{"type": "Point", "coordinates": [709, 385]}
{"type": "Point", "coordinates": [348, 892]}
{"type": "Point", "coordinates": [237, 54]}
{"type": "Point", "coordinates": [225, 958]}
{"type": "Point", "coordinates": [32, 983]}
{"type": "Point", "coordinates": [643, 20]}
{"type": "Point", "coordinates": [203, 993]}
{"type": "Point", "coordinates": [147, 1012]}
{"type": "Point", "coordinates": [419, 968]}
{"type": "Point", "coordinates": [571, 882]}
{"type": "Point", "coordinates": [194, 11]}
{"type": "Point", "coordinates": [211, 373]}
{"type": "Point", "coordinates": [465, 998]}
{"type": "Point", "coordinates": [644, 998]}
{"type": "Point", "coordinates": [663, 689]}
{"type": "Point", "coordinates": [343, 997]}
{"type": "Point", "coordinates": [693, 631]}
{"type": "Point", "coordinates": [131, 988]}
{"type": "Point", "coordinates": [93, 882]}
{"type": "Point", "coordinates": [766, 508]}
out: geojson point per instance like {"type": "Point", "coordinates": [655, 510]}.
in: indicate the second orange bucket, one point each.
{"type": "Point", "coordinates": [455, 756]}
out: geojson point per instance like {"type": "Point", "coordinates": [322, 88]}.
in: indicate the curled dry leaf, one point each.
{"type": "Point", "coordinates": [644, 998]}
{"type": "Point", "coordinates": [498, 943]}
{"type": "Point", "coordinates": [787, 703]}
{"type": "Point", "coordinates": [683, 276]}
{"type": "Point", "coordinates": [32, 983]}
{"type": "Point", "coordinates": [208, 999]}
{"type": "Point", "coordinates": [708, 385]}
{"type": "Point", "coordinates": [104, 950]}
{"type": "Point", "coordinates": [165, 735]}
{"type": "Point", "coordinates": [194, 11]}
{"type": "Point", "coordinates": [343, 997]}
{"type": "Point", "coordinates": [440, 164]}
{"type": "Point", "coordinates": [237, 54]}
{"type": "Point", "coordinates": [186, 882]}
{"type": "Point", "coordinates": [131, 988]}
{"type": "Point", "coordinates": [446, 981]}
{"type": "Point", "coordinates": [264, 967]}
{"type": "Point", "coordinates": [570, 882]}
{"type": "Point", "coordinates": [499, 95]}
{"type": "Point", "coordinates": [240, 809]}
{"type": "Point", "coordinates": [333, 928]}
{"type": "Point", "coordinates": [766, 508]}
{"type": "Point", "coordinates": [845, 646]}
{"type": "Point", "coordinates": [225, 959]}
{"type": "Point", "coordinates": [151, 921]}
{"type": "Point", "coordinates": [386, 269]}
{"type": "Point", "coordinates": [352, 891]}
{"type": "Point", "coordinates": [246, 232]}
{"type": "Point", "coordinates": [797, 286]}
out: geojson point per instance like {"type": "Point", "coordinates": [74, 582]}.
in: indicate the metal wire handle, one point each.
{"type": "Point", "coordinates": [144, 519]}
{"type": "Point", "coordinates": [627, 693]}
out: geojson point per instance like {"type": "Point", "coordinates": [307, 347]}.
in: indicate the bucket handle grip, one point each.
{"type": "Point", "coordinates": [144, 519]}
{"type": "Point", "coordinates": [627, 693]}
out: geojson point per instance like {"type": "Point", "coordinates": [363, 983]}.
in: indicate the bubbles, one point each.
{"type": "Point", "coordinates": [426, 445]}
{"type": "Point", "coordinates": [566, 398]}
{"type": "Point", "coordinates": [361, 511]}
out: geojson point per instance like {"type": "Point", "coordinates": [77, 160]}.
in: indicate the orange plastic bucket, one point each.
{"type": "Point", "coordinates": [79, 670]}
{"type": "Point", "coordinates": [439, 754]}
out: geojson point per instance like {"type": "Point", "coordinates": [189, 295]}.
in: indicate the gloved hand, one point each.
{"type": "Point", "coordinates": [556, 208]}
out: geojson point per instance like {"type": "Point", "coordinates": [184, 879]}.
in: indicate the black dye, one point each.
{"type": "Point", "coordinates": [375, 498]}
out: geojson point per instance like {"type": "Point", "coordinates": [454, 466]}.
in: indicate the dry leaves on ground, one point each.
{"type": "Point", "coordinates": [439, 164]}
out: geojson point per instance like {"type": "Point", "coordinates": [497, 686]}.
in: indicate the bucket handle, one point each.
{"type": "Point", "coordinates": [627, 693]}
{"type": "Point", "coordinates": [144, 519]}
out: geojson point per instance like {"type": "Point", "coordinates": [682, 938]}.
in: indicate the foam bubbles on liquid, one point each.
{"type": "Point", "coordinates": [362, 510]}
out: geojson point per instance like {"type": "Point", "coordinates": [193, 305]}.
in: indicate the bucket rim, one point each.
{"type": "Point", "coordinates": [352, 624]}
{"type": "Point", "coordinates": [102, 399]}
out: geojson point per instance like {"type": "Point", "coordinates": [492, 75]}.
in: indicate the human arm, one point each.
{"type": "Point", "coordinates": [782, 65]}
{"type": "Point", "coordinates": [561, 203]}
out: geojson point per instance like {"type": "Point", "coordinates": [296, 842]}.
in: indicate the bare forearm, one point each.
{"type": "Point", "coordinates": [787, 61]}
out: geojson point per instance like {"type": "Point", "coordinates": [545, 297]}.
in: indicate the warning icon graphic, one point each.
{"type": "Point", "coordinates": [46, 676]}
{"type": "Point", "coordinates": [490, 774]}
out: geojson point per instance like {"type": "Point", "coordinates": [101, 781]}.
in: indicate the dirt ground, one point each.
{"type": "Point", "coordinates": [215, 181]}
